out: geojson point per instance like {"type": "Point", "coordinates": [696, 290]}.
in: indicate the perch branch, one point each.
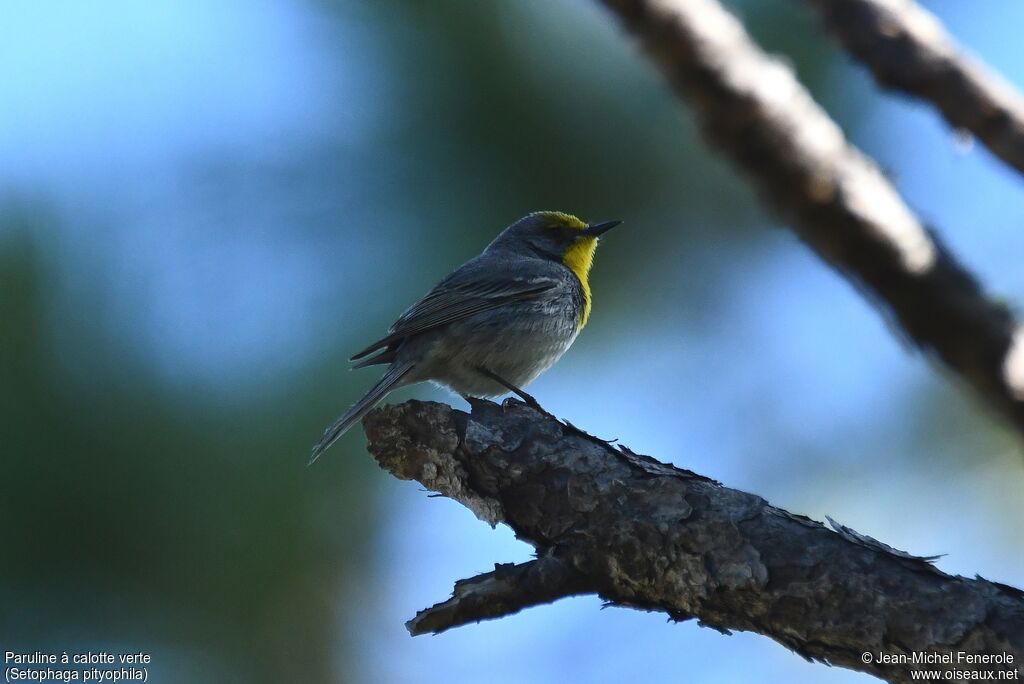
{"type": "Point", "coordinates": [752, 108]}
{"type": "Point", "coordinates": [648, 535]}
{"type": "Point", "coordinates": [907, 49]}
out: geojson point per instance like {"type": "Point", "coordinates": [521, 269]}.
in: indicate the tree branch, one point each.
{"type": "Point", "coordinates": [506, 591]}
{"type": "Point", "coordinates": [648, 535]}
{"type": "Point", "coordinates": [907, 48]}
{"type": "Point", "coordinates": [753, 109]}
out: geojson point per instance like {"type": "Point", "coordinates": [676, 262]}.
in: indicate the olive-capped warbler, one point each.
{"type": "Point", "coordinates": [495, 323]}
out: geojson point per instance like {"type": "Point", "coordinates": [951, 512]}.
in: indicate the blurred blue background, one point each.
{"type": "Point", "coordinates": [207, 205]}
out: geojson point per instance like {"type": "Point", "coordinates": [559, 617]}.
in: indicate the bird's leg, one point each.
{"type": "Point", "coordinates": [530, 401]}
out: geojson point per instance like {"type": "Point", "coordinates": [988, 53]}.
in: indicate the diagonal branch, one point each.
{"type": "Point", "coordinates": [507, 590]}
{"type": "Point", "coordinates": [753, 109]}
{"type": "Point", "coordinates": [907, 48]}
{"type": "Point", "coordinates": [644, 534]}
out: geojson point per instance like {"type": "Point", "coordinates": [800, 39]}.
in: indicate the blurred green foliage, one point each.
{"type": "Point", "coordinates": [164, 522]}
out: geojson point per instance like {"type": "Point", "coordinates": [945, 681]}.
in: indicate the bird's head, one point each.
{"type": "Point", "coordinates": [557, 236]}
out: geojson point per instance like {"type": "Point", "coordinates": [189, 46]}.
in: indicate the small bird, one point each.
{"type": "Point", "coordinates": [495, 323]}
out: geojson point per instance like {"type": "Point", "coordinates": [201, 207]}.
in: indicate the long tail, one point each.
{"type": "Point", "coordinates": [360, 408]}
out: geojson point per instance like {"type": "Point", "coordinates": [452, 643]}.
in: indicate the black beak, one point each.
{"type": "Point", "coordinates": [596, 229]}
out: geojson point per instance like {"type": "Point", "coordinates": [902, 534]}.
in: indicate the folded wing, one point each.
{"type": "Point", "coordinates": [466, 292]}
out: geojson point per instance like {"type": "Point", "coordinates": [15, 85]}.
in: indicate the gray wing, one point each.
{"type": "Point", "coordinates": [473, 288]}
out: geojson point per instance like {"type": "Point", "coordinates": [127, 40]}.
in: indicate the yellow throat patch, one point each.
{"type": "Point", "coordinates": [579, 258]}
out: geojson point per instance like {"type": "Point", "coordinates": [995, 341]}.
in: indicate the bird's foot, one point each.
{"type": "Point", "coordinates": [527, 398]}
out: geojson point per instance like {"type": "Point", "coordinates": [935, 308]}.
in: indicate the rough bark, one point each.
{"type": "Point", "coordinates": [755, 111]}
{"type": "Point", "coordinates": [648, 535]}
{"type": "Point", "coordinates": [907, 49]}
